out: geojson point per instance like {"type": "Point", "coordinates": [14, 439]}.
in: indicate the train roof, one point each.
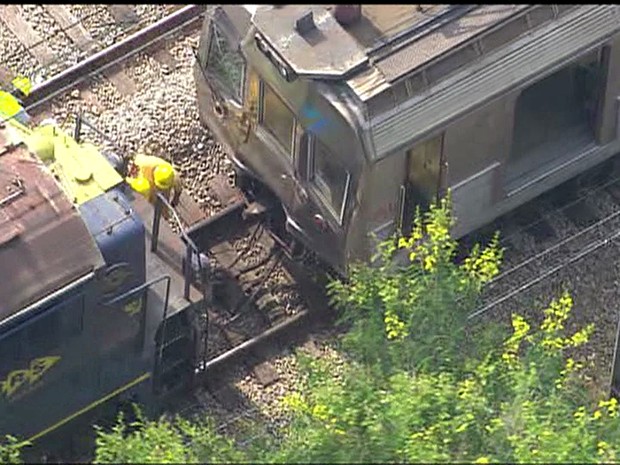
{"type": "Point", "coordinates": [416, 68]}
{"type": "Point", "coordinates": [44, 244]}
{"type": "Point", "coordinates": [393, 39]}
{"type": "Point", "coordinates": [389, 44]}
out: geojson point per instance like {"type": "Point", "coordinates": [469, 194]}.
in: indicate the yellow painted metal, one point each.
{"type": "Point", "coordinates": [9, 105]}
{"type": "Point", "coordinates": [81, 169]}
{"type": "Point", "coordinates": [22, 83]}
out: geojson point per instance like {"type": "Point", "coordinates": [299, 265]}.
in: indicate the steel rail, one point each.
{"type": "Point", "coordinates": [112, 55]}
{"type": "Point", "coordinates": [295, 327]}
{"type": "Point", "coordinates": [296, 321]}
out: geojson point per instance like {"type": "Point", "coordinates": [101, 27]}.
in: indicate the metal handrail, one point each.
{"type": "Point", "coordinates": [190, 245]}
{"type": "Point", "coordinates": [190, 249]}
{"type": "Point", "coordinates": [138, 289]}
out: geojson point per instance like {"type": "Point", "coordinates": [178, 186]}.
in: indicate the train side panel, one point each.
{"type": "Point", "coordinates": [47, 368]}
{"type": "Point", "coordinates": [517, 146]}
{"type": "Point", "coordinates": [95, 341]}
{"type": "Point", "coordinates": [496, 162]}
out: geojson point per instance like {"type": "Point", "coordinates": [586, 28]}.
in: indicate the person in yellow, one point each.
{"type": "Point", "coordinates": [149, 175]}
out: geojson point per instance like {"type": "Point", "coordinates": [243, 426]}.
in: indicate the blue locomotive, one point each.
{"type": "Point", "coordinates": [89, 312]}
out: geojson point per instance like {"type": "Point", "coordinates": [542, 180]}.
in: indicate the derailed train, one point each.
{"type": "Point", "coordinates": [89, 313]}
{"type": "Point", "coordinates": [351, 115]}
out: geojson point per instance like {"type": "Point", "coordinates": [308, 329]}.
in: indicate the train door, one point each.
{"type": "Point", "coordinates": [557, 117]}
{"type": "Point", "coordinates": [425, 179]}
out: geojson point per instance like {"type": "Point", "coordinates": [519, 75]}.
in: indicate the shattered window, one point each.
{"type": "Point", "coordinates": [225, 63]}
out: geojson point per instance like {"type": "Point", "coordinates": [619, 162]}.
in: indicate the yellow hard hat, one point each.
{"type": "Point", "coordinates": [22, 83]}
{"type": "Point", "coordinates": [163, 175]}
{"type": "Point", "coordinates": [141, 185]}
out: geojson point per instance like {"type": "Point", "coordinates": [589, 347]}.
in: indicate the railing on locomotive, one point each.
{"type": "Point", "coordinates": [191, 251]}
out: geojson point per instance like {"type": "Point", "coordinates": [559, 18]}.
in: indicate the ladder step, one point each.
{"type": "Point", "coordinates": [167, 367]}
{"type": "Point", "coordinates": [176, 339]}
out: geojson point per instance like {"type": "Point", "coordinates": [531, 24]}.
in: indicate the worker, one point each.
{"type": "Point", "coordinates": [160, 174]}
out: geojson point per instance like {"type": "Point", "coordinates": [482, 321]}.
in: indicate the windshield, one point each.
{"type": "Point", "coordinates": [225, 64]}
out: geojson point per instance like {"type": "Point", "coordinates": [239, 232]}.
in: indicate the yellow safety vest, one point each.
{"type": "Point", "coordinates": [147, 165]}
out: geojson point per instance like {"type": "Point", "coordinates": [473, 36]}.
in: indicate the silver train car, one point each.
{"type": "Point", "coordinates": [354, 114]}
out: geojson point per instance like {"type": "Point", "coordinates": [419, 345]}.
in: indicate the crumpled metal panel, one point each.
{"type": "Point", "coordinates": [370, 82]}
{"type": "Point", "coordinates": [44, 244]}
{"type": "Point", "coordinates": [512, 66]}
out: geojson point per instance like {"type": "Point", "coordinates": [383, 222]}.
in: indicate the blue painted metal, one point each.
{"type": "Point", "coordinates": [120, 235]}
{"type": "Point", "coordinates": [98, 329]}
{"type": "Point", "coordinates": [55, 330]}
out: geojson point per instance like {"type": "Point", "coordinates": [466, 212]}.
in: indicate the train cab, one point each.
{"type": "Point", "coordinates": [353, 115]}
{"type": "Point", "coordinates": [297, 136]}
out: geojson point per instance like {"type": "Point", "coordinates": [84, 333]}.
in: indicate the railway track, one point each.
{"type": "Point", "coordinates": [260, 308]}
{"type": "Point", "coordinates": [138, 90]}
{"type": "Point", "coordinates": [564, 240]}
{"type": "Point", "coordinates": [263, 302]}
{"type": "Point", "coordinates": [46, 41]}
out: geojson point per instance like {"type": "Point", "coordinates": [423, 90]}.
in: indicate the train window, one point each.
{"type": "Point", "coordinates": [225, 64]}
{"type": "Point", "coordinates": [277, 118]}
{"type": "Point", "coordinates": [330, 178]}
{"type": "Point", "coordinates": [555, 113]}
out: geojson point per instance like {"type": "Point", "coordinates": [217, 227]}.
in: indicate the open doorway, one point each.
{"type": "Point", "coordinates": [557, 117]}
{"type": "Point", "coordinates": [425, 171]}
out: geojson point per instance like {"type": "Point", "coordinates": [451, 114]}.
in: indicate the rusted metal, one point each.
{"type": "Point", "coordinates": [224, 192]}
{"type": "Point", "coordinates": [293, 328]}
{"type": "Point", "coordinates": [188, 209]}
{"type": "Point", "coordinates": [217, 226]}
{"type": "Point", "coordinates": [271, 334]}
{"type": "Point", "coordinates": [41, 230]}
{"type": "Point", "coordinates": [112, 55]}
